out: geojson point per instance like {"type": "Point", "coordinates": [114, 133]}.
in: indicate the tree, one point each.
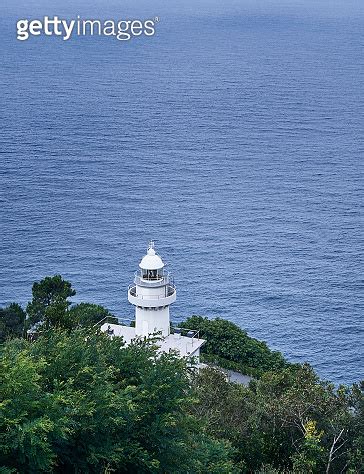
{"type": "Point", "coordinates": [49, 292]}
{"type": "Point", "coordinates": [288, 419]}
{"type": "Point", "coordinates": [27, 421]}
{"type": "Point", "coordinates": [12, 319]}
{"type": "Point", "coordinates": [311, 450]}
{"type": "Point", "coordinates": [79, 401]}
{"type": "Point", "coordinates": [230, 347]}
{"type": "Point", "coordinates": [88, 314]}
{"type": "Point", "coordinates": [76, 400]}
{"type": "Point", "coordinates": [356, 448]}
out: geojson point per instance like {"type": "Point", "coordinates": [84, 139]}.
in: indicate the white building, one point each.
{"type": "Point", "coordinates": [152, 293]}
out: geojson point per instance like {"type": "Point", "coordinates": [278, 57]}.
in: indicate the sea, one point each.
{"type": "Point", "coordinates": [233, 137]}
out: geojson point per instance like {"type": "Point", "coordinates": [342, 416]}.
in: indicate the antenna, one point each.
{"type": "Point", "coordinates": [151, 244]}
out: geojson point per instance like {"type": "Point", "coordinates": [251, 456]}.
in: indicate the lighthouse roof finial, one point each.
{"type": "Point", "coordinates": [151, 250]}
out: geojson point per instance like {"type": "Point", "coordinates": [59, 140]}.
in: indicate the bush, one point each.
{"type": "Point", "coordinates": [12, 319]}
{"type": "Point", "coordinates": [230, 347]}
{"type": "Point", "coordinates": [79, 401]}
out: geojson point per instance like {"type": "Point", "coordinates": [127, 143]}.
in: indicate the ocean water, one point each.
{"type": "Point", "coordinates": [233, 137]}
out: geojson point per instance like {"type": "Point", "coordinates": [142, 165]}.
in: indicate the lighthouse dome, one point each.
{"type": "Point", "coordinates": [151, 261]}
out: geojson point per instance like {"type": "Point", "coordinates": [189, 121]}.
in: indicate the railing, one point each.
{"type": "Point", "coordinates": [140, 281]}
{"type": "Point", "coordinates": [114, 320]}
{"type": "Point", "coordinates": [185, 332]}
{"type": "Point", "coordinates": [192, 333]}
{"type": "Point", "coordinates": [170, 291]}
{"type": "Point", "coordinates": [162, 280]}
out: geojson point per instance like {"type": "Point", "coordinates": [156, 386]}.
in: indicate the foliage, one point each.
{"type": "Point", "coordinates": [88, 314]}
{"type": "Point", "coordinates": [286, 421]}
{"type": "Point", "coordinates": [12, 320]}
{"type": "Point", "coordinates": [230, 347]}
{"type": "Point", "coordinates": [50, 306]}
{"type": "Point", "coordinates": [76, 400]}
{"type": "Point", "coordinates": [311, 451]}
{"type": "Point", "coordinates": [356, 455]}
{"type": "Point", "coordinates": [80, 401]}
{"type": "Point", "coordinates": [50, 301]}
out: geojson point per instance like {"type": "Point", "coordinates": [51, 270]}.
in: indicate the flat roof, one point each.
{"type": "Point", "coordinates": [186, 346]}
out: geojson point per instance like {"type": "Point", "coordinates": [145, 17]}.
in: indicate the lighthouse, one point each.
{"type": "Point", "coordinates": [152, 293]}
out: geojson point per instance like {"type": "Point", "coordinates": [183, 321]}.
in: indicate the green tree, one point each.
{"type": "Point", "coordinates": [12, 319]}
{"type": "Point", "coordinates": [51, 291]}
{"type": "Point", "coordinates": [356, 449]}
{"type": "Point", "coordinates": [79, 401]}
{"type": "Point", "coordinates": [27, 420]}
{"type": "Point", "coordinates": [288, 419]}
{"type": "Point", "coordinates": [88, 314]}
{"type": "Point", "coordinates": [229, 346]}
{"type": "Point", "coordinates": [310, 453]}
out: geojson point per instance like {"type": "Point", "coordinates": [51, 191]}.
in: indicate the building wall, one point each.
{"type": "Point", "coordinates": [148, 321]}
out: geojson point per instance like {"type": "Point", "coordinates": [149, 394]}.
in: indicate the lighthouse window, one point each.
{"type": "Point", "coordinates": [151, 274]}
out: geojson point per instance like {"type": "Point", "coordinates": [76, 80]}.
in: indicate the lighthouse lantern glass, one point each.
{"type": "Point", "coordinates": [152, 274]}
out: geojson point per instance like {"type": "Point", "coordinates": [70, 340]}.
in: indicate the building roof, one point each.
{"type": "Point", "coordinates": [186, 346]}
{"type": "Point", "coordinates": [151, 261]}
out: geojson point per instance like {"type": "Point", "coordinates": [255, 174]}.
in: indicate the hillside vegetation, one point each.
{"type": "Point", "coordinates": [74, 400]}
{"type": "Point", "coordinates": [230, 347]}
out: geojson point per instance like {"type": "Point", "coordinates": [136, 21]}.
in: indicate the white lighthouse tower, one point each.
{"type": "Point", "coordinates": [152, 293]}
